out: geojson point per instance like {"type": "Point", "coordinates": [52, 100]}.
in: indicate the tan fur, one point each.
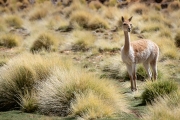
{"type": "Point", "coordinates": [139, 46]}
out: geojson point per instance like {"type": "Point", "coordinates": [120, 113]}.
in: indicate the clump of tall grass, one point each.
{"type": "Point", "coordinates": [28, 102]}
{"type": "Point", "coordinates": [175, 5]}
{"type": "Point", "coordinates": [14, 81]}
{"type": "Point", "coordinates": [10, 40]}
{"type": "Point", "coordinates": [83, 40]}
{"type": "Point", "coordinates": [139, 8]}
{"type": "Point", "coordinates": [166, 108]}
{"type": "Point", "coordinates": [177, 39]}
{"type": "Point", "coordinates": [85, 19]}
{"type": "Point", "coordinates": [19, 77]}
{"type": "Point", "coordinates": [91, 106]}
{"type": "Point", "coordinates": [95, 5]}
{"type": "Point", "coordinates": [45, 41]}
{"type": "Point", "coordinates": [171, 53]}
{"type": "Point", "coordinates": [166, 33]}
{"type": "Point", "coordinates": [14, 21]}
{"type": "Point", "coordinates": [75, 92]}
{"type": "Point", "coordinates": [151, 27]}
{"type": "Point", "coordinates": [38, 14]}
{"type": "Point", "coordinates": [97, 22]}
{"type": "Point", "coordinates": [156, 89]}
{"type": "Point", "coordinates": [81, 18]}
{"type": "Point", "coordinates": [112, 2]}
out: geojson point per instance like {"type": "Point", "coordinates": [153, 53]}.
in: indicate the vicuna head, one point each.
{"type": "Point", "coordinates": [127, 26]}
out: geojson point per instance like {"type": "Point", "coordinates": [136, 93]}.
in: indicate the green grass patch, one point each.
{"type": "Point", "coordinates": [156, 89]}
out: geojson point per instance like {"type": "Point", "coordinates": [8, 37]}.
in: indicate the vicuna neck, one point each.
{"type": "Point", "coordinates": [127, 41]}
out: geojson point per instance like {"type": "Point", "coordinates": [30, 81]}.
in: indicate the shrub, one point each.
{"type": "Point", "coordinates": [9, 40]}
{"type": "Point", "coordinates": [14, 21]}
{"type": "Point", "coordinates": [156, 89]}
{"type": "Point", "coordinates": [45, 41]}
{"type": "Point", "coordinates": [75, 92]}
{"type": "Point", "coordinates": [166, 108]}
{"type": "Point", "coordinates": [177, 39]}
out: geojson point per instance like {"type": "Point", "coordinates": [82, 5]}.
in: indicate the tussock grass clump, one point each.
{"type": "Point", "coordinates": [81, 18]}
{"type": "Point", "coordinates": [171, 53]}
{"type": "Point", "coordinates": [158, 88]}
{"type": "Point", "coordinates": [45, 41]}
{"type": "Point", "coordinates": [75, 92]}
{"type": "Point", "coordinates": [87, 20]}
{"type": "Point", "coordinates": [38, 14]}
{"type": "Point", "coordinates": [166, 108]}
{"type": "Point", "coordinates": [112, 2]}
{"type": "Point", "coordinates": [166, 33]}
{"type": "Point", "coordinates": [139, 8]}
{"type": "Point", "coordinates": [174, 5]}
{"type": "Point", "coordinates": [177, 39]}
{"type": "Point", "coordinates": [14, 81]}
{"type": "Point", "coordinates": [14, 21]}
{"type": "Point", "coordinates": [28, 102]}
{"type": "Point", "coordinates": [10, 40]}
{"type": "Point", "coordinates": [91, 106]}
{"type": "Point", "coordinates": [83, 40]}
{"type": "Point", "coordinates": [151, 27]}
{"type": "Point", "coordinates": [95, 5]}
{"type": "Point", "coordinates": [19, 77]}
{"type": "Point", "coordinates": [97, 22]}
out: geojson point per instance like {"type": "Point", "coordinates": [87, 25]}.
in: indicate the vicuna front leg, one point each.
{"type": "Point", "coordinates": [132, 74]}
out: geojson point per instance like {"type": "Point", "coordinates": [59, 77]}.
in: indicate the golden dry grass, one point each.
{"type": "Point", "coordinates": [92, 43]}
{"type": "Point", "coordinates": [82, 92]}
{"type": "Point", "coordinates": [10, 40]}
{"type": "Point", "coordinates": [83, 40]}
{"type": "Point", "coordinates": [46, 41]}
{"type": "Point", "coordinates": [164, 109]}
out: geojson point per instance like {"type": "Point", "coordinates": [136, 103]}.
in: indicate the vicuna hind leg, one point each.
{"type": "Point", "coordinates": [154, 69]}
{"type": "Point", "coordinates": [148, 70]}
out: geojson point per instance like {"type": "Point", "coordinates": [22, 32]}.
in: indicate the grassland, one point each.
{"type": "Point", "coordinates": [63, 60]}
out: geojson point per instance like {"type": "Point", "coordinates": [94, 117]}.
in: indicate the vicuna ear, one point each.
{"type": "Point", "coordinates": [122, 19]}
{"type": "Point", "coordinates": [130, 19]}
